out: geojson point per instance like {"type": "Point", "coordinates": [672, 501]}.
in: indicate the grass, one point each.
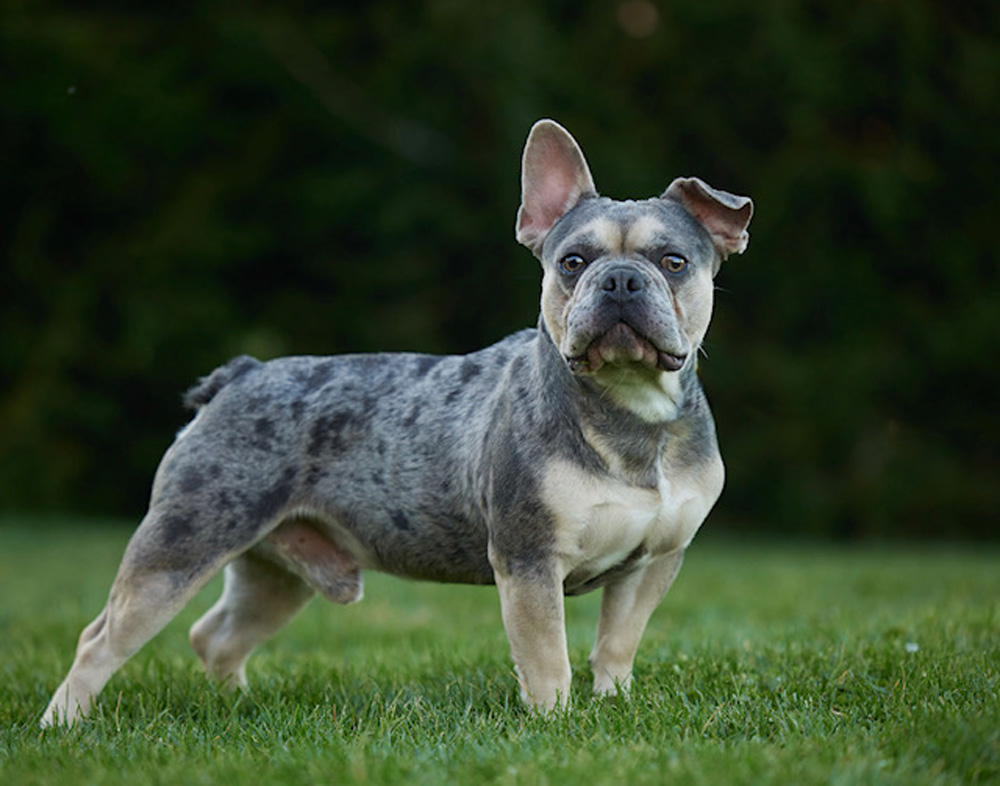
{"type": "Point", "coordinates": [767, 663]}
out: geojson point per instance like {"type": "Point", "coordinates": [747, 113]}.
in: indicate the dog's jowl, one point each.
{"type": "Point", "coordinates": [575, 456]}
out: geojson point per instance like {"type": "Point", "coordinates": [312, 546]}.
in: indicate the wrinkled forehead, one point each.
{"type": "Point", "coordinates": [605, 226]}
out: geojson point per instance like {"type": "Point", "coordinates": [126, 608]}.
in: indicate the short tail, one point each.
{"type": "Point", "coordinates": [209, 386]}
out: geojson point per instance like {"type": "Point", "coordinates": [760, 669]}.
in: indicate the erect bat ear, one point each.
{"type": "Point", "coordinates": [725, 216]}
{"type": "Point", "coordinates": [554, 177]}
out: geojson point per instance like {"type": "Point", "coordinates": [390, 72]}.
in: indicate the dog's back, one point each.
{"type": "Point", "coordinates": [383, 451]}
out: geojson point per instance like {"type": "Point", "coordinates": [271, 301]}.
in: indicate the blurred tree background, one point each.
{"type": "Point", "coordinates": [189, 184]}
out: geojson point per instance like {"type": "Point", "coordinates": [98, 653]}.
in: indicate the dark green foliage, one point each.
{"type": "Point", "coordinates": [181, 186]}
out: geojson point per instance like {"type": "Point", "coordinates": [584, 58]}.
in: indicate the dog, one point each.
{"type": "Point", "coordinates": [575, 456]}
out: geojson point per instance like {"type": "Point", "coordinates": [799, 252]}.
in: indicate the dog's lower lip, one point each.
{"type": "Point", "coordinates": [667, 361]}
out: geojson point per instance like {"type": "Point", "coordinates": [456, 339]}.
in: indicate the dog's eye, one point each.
{"type": "Point", "coordinates": [673, 263]}
{"type": "Point", "coordinates": [572, 263]}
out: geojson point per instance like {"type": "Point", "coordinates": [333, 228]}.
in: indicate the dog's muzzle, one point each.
{"type": "Point", "coordinates": [618, 324]}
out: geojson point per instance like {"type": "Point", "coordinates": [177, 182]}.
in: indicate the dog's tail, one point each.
{"type": "Point", "coordinates": [209, 386]}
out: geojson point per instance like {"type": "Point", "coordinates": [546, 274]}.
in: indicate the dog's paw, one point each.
{"type": "Point", "coordinates": [606, 684]}
{"type": "Point", "coordinates": [62, 710]}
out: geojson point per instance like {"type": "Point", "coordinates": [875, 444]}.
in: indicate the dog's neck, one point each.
{"type": "Point", "coordinates": [656, 398]}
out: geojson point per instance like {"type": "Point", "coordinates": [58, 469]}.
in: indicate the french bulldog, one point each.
{"type": "Point", "coordinates": [578, 455]}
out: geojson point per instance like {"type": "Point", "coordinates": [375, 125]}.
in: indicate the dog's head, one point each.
{"type": "Point", "coordinates": [627, 287]}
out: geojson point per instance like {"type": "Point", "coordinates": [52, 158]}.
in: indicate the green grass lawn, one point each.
{"type": "Point", "coordinates": [767, 663]}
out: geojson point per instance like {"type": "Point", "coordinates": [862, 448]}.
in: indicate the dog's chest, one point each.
{"type": "Point", "coordinates": [603, 523]}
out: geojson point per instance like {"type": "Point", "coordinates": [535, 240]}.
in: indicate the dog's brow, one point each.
{"type": "Point", "coordinates": [605, 232]}
{"type": "Point", "coordinates": [617, 236]}
{"type": "Point", "coordinates": [599, 235]}
{"type": "Point", "coordinates": [645, 231]}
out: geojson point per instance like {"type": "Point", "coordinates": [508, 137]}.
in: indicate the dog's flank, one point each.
{"type": "Point", "coordinates": [578, 455]}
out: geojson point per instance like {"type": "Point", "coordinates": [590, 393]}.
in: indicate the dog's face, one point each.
{"type": "Point", "coordinates": [627, 286]}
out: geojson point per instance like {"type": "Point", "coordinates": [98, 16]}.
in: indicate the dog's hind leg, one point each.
{"type": "Point", "coordinates": [257, 600]}
{"type": "Point", "coordinates": [153, 584]}
{"type": "Point", "coordinates": [264, 589]}
{"type": "Point", "coordinates": [625, 609]}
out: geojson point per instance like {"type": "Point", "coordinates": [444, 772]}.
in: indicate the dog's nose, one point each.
{"type": "Point", "coordinates": [622, 283]}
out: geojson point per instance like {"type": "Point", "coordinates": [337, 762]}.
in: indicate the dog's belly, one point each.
{"type": "Point", "coordinates": [411, 545]}
{"type": "Point", "coordinates": [606, 528]}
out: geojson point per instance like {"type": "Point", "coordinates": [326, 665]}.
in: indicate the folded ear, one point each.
{"type": "Point", "coordinates": [725, 216]}
{"type": "Point", "coordinates": [554, 177]}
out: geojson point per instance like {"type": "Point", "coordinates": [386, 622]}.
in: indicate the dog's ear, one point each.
{"type": "Point", "coordinates": [554, 177]}
{"type": "Point", "coordinates": [725, 216]}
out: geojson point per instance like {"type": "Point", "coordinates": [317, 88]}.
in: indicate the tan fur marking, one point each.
{"type": "Point", "coordinates": [625, 610]}
{"type": "Point", "coordinates": [555, 304]}
{"type": "Point", "coordinates": [534, 619]}
{"type": "Point", "coordinates": [694, 308]}
{"type": "Point", "coordinates": [607, 232]}
{"type": "Point", "coordinates": [257, 600]}
{"type": "Point", "coordinates": [642, 233]}
{"type": "Point", "coordinates": [136, 610]}
{"type": "Point", "coordinates": [600, 521]}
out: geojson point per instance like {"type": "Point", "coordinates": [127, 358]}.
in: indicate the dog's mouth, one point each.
{"type": "Point", "coordinates": [623, 346]}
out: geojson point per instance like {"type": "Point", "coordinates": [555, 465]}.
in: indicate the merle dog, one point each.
{"type": "Point", "coordinates": [578, 455]}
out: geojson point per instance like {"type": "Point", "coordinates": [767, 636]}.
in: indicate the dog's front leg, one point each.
{"type": "Point", "coordinates": [534, 618]}
{"type": "Point", "coordinates": [625, 609]}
